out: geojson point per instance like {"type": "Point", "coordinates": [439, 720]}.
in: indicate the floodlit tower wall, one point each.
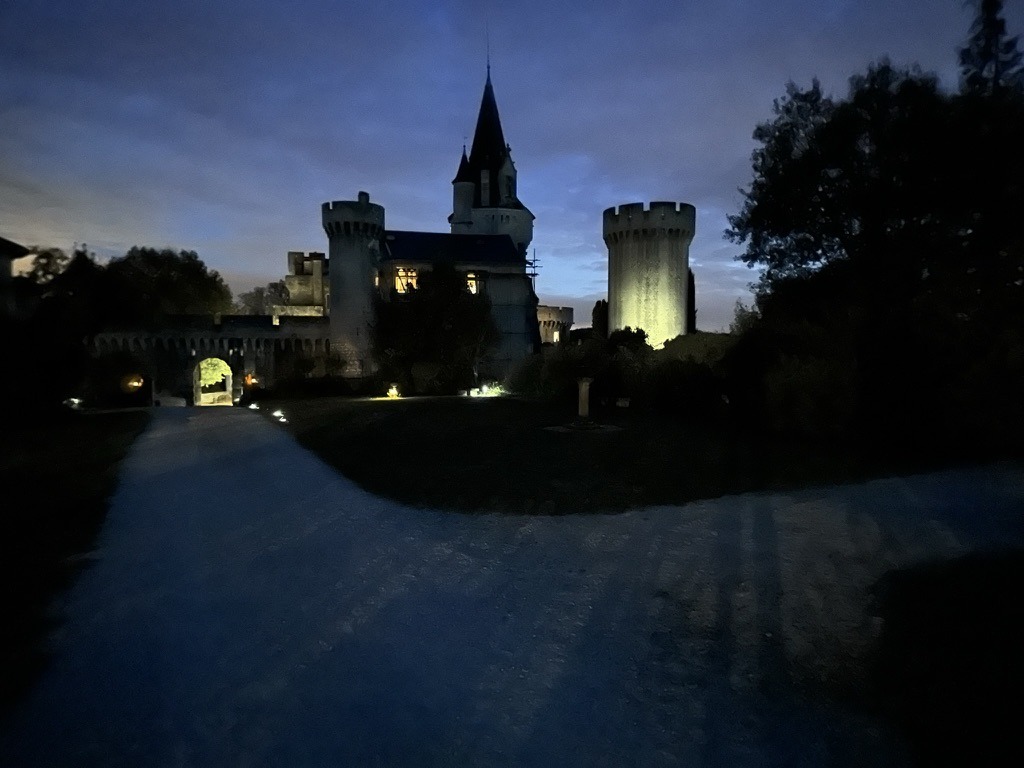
{"type": "Point", "coordinates": [648, 267]}
{"type": "Point", "coordinates": [354, 230]}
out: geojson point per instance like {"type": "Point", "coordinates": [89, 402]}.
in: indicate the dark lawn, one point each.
{"type": "Point", "coordinates": [57, 472]}
{"type": "Point", "coordinates": [494, 454]}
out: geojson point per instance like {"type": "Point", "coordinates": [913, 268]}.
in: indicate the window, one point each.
{"type": "Point", "coordinates": [405, 279]}
{"type": "Point", "coordinates": [557, 336]}
{"type": "Point", "coordinates": [472, 282]}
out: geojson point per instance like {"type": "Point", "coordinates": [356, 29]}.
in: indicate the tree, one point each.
{"type": "Point", "coordinates": [885, 227]}
{"type": "Point", "coordinates": [599, 319]}
{"type": "Point", "coordinates": [778, 237]}
{"type": "Point", "coordinates": [212, 371]}
{"type": "Point", "coordinates": [151, 284]}
{"type": "Point", "coordinates": [261, 300]}
{"type": "Point", "coordinates": [869, 179]}
{"type": "Point", "coordinates": [47, 263]}
{"type": "Point", "coordinates": [990, 63]}
{"type": "Point", "coordinates": [440, 325]}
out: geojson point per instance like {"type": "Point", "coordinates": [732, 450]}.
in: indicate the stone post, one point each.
{"type": "Point", "coordinates": [584, 405]}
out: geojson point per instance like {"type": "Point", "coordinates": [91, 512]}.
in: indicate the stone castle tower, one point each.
{"type": "Point", "coordinates": [649, 281]}
{"type": "Point", "coordinates": [484, 197]}
{"type": "Point", "coordinates": [354, 230]}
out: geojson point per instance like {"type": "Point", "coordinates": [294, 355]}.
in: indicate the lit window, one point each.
{"type": "Point", "coordinates": [558, 336]}
{"type": "Point", "coordinates": [376, 280]}
{"type": "Point", "coordinates": [405, 280]}
{"type": "Point", "coordinates": [472, 282]}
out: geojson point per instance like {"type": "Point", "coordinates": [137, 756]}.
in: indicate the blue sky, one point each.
{"type": "Point", "coordinates": [221, 126]}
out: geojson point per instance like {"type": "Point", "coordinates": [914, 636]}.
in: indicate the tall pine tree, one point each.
{"type": "Point", "coordinates": [990, 63]}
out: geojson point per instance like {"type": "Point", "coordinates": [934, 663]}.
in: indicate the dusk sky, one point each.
{"type": "Point", "coordinates": [221, 127]}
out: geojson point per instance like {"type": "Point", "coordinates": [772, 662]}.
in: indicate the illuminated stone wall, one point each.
{"type": "Point", "coordinates": [555, 324]}
{"type": "Point", "coordinates": [354, 229]}
{"type": "Point", "coordinates": [648, 267]}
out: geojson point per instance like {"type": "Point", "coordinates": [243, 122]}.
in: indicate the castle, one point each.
{"type": "Point", "coordinates": [650, 285]}
{"type": "Point", "coordinates": [329, 314]}
{"type": "Point", "coordinates": [490, 233]}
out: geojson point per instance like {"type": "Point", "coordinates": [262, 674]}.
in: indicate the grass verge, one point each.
{"type": "Point", "coordinates": [57, 473]}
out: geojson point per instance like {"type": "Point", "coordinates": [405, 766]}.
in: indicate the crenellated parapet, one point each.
{"type": "Point", "coordinates": [353, 218]}
{"type": "Point", "coordinates": [659, 219]}
{"type": "Point", "coordinates": [649, 267]}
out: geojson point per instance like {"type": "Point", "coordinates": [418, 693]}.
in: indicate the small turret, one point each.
{"type": "Point", "coordinates": [462, 198]}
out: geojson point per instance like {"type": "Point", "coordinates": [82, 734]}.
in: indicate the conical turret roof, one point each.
{"type": "Point", "coordinates": [465, 172]}
{"type": "Point", "coordinates": [489, 148]}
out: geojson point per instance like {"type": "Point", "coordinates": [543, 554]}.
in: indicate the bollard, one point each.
{"type": "Point", "coordinates": [584, 407]}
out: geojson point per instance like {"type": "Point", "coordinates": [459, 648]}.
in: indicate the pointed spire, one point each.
{"type": "Point", "coordinates": [489, 147]}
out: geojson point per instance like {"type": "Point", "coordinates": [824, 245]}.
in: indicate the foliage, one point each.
{"type": "Point", "coordinates": [212, 371]}
{"type": "Point", "coordinates": [152, 284]}
{"type": "Point", "coordinates": [599, 319]}
{"type": "Point", "coordinates": [743, 318]}
{"type": "Point", "coordinates": [625, 369]}
{"type": "Point", "coordinates": [47, 263]}
{"type": "Point", "coordinates": [45, 341]}
{"type": "Point", "coordinates": [261, 300]}
{"type": "Point", "coordinates": [628, 338]}
{"type": "Point", "coordinates": [700, 347]}
{"type": "Point", "coordinates": [893, 267]}
{"type": "Point", "coordinates": [440, 332]}
{"type": "Point", "coordinates": [84, 298]}
{"type": "Point", "coordinates": [990, 62]}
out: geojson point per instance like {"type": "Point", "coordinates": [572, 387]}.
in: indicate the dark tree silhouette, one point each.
{"type": "Point", "coordinates": [47, 263]}
{"type": "Point", "coordinates": [893, 267]}
{"type": "Point", "coordinates": [990, 63]}
{"type": "Point", "coordinates": [151, 284]}
{"type": "Point", "coordinates": [850, 180]}
{"type": "Point", "coordinates": [260, 300]}
{"type": "Point", "coordinates": [599, 319]}
{"type": "Point", "coordinates": [440, 326]}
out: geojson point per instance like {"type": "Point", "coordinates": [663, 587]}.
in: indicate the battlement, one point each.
{"type": "Point", "coordinates": [353, 217]}
{"type": "Point", "coordinates": [659, 217]}
{"type": "Point", "coordinates": [301, 263]}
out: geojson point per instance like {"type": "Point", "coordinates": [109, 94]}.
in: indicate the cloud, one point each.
{"type": "Point", "coordinates": [221, 127]}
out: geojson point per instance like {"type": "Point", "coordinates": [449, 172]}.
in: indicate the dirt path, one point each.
{"type": "Point", "coordinates": [248, 606]}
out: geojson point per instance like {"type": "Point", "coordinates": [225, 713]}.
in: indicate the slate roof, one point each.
{"type": "Point", "coordinates": [443, 248]}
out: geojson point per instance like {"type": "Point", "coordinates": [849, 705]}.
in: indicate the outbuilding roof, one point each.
{"type": "Point", "coordinates": [12, 250]}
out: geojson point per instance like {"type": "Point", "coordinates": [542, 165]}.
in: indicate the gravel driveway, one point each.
{"type": "Point", "coordinates": [249, 606]}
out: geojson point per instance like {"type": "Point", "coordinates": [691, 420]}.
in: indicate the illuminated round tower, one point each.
{"type": "Point", "coordinates": [354, 231]}
{"type": "Point", "coordinates": [649, 267]}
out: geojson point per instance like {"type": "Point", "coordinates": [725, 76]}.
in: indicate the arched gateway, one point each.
{"type": "Point", "coordinates": [254, 348]}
